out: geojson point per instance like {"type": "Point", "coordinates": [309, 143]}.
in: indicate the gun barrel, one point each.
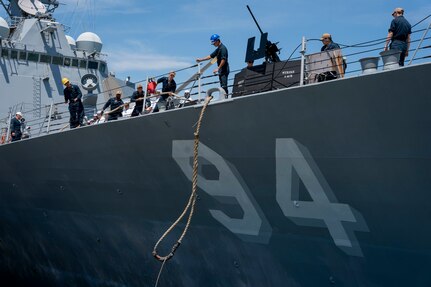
{"type": "Point", "coordinates": [255, 21]}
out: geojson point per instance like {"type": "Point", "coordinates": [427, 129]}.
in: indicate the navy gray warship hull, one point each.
{"type": "Point", "coordinates": [322, 185]}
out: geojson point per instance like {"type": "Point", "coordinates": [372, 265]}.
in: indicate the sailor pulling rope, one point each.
{"type": "Point", "coordinates": [149, 97]}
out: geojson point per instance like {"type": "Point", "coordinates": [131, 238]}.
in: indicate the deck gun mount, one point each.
{"type": "Point", "coordinates": [266, 49]}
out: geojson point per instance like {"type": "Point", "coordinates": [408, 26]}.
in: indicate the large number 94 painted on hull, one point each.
{"type": "Point", "coordinates": [293, 163]}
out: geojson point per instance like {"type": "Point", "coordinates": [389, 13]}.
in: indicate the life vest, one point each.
{"type": "Point", "coordinates": [151, 87]}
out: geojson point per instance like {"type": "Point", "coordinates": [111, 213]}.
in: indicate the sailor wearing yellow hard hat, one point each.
{"type": "Point", "coordinates": [73, 97]}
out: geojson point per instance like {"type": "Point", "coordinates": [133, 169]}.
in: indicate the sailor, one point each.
{"type": "Point", "coordinates": [93, 120]}
{"type": "Point", "coordinates": [187, 95]}
{"type": "Point", "coordinates": [399, 34]}
{"type": "Point", "coordinates": [222, 61]}
{"type": "Point", "coordinates": [327, 42]}
{"type": "Point", "coordinates": [127, 110]}
{"type": "Point", "coordinates": [329, 45]}
{"type": "Point", "coordinates": [187, 99]}
{"type": "Point", "coordinates": [116, 105]}
{"type": "Point", "coordinates": [168, 88]}
{"type": "Point", "coordinates": [73, 96]}
{"type": "Point", "coordinates": [4, 132]}
{"type": "Point", "coordinates": [15, 127]}
{"type": "Point", "coordinates": [138, 98]}
{"type": "Point", "coordinates": [101, 118]}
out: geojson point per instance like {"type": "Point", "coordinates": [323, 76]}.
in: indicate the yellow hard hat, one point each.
{"type": "Point", "coordinates": [65, 81]}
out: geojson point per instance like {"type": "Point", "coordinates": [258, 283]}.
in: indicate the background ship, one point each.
{"type": "Point", "coordinates": [321, 184]}
{"type": "Point", "coordinates": [36, 53]}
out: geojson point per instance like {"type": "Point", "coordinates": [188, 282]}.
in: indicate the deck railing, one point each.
{"type": "Point", "coordinates": [55, 116]}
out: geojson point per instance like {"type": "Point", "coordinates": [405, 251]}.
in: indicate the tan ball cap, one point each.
{"type": "Point", "coordinates": [325, 35]}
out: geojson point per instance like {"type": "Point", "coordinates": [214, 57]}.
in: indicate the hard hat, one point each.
{"type": "Point", "coordinates": [186, 92]}
{"type": "Point", "coordinates": [139, 86]}
{"type": "Point", "coordinates": [118, 92]}
{"type": "Point", "coordinates": [19, 114]}
{"type": "Point", "coordinates": [214, 37]}
{"type": "Point", "coordinates": [65, 81]}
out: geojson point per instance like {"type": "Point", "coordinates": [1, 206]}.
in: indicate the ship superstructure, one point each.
{"type": "Point", "coordinates": [36, 53]}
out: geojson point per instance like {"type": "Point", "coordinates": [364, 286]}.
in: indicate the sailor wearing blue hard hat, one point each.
{"type": "Point", "coordinates": [222, 60]}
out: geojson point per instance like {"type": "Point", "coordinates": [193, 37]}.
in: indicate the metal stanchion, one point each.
{"type": "Point", "coordinates": [303, 49]}
{"type": "Point", "coordinates": [49, 117]}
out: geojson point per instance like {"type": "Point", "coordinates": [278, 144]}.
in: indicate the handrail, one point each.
{"type": "Point", "coordinates": [55, 116]}
{"type": "Point", "coordinates": [420, 44]}
{"type": "Point", "coordinates": [8, 125]}
{"type": "Point", "coordinates": [49, 118]}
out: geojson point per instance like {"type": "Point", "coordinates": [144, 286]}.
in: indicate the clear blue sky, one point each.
{"type": "Point", "coordinates": [144, 38]}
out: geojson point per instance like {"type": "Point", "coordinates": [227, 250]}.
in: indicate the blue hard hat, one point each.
{"type": "Point", "coordinates": [214, 37]}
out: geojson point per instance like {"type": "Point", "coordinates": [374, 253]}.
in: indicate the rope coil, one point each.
{"type": "Point", "coordinates": [192, 199]}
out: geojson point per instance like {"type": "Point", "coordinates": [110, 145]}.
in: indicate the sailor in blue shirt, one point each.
{"type": "Point", "coordinates": [169, 86]}
{"type": "Point", "coordinates": [15, 127]}
{"type": "Point", "coordinates": [399, 34]}
{"type": "Point", "coordinates": [327, 42]}
{"type": "Point", "coordinates": [73, 96]}
{"type": "Point", "coordinates": [116, 105]}
{"type": "Point", "coordinates": [222, 61]}
{"type": "Point", "coordinates": [328, 45]}
{"type": "Point", "coordinates": [138, 98]}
